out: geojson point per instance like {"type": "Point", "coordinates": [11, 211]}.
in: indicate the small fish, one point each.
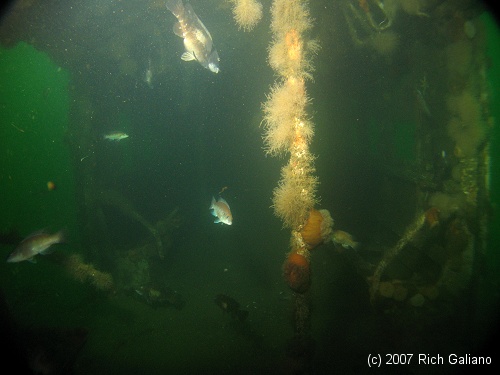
{"type": "Point", "coordinates": [36, 243]}
{"type": "Point", "coordinates": [158, 296]}
{"type": "Point", "coordinates": [198, 42]}
{"type": "Point", "coordinates": [422, 103]}
{"type": "Point", "coordinates": [115, 136]}
{"type": "Point", "coordinates": [344, 239]}
{"type": "Point", "coordinates": [148, 76]}
{"type": "Point", "coordinates": [231, 306]}
{"type": "Point", "coordinates": [221, 210]}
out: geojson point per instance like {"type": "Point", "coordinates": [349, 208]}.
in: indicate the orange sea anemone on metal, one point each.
{"type": "Point", "coordinates": [297, 272]}
{"type": "Point", "coordinates": [311, 232]}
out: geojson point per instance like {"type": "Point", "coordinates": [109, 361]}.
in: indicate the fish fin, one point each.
{"type": "Point", "coordinates": [32, 260]}
{"type": "Point", "coordinates": [62, 236]}
{"type": "Point", "coordinates": [189, 9]}
{"type": "Point", "coordinates": [178, 30]}
{"type": "Point", "coordinates": [35, 233]}
{"type": "Point", "coordinates": [217, 221]}
{"type": "Point", "coordinates": [188, 56]}
{"type": "Point", "coordinates": [46, 251]}
{"type": "Point", "coordinates": [175, 6]}
{"type": "Point", "coordinates": [213, 212]}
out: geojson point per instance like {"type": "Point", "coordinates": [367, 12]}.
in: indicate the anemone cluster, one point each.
{"type": "Point", "coordinates": [288, 128]}
{"type": "Point", "coordinates": [247, 13]}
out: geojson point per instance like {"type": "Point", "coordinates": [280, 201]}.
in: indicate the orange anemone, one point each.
{"type": "Point", "coordinates": [432, 217]}
{"type": "Point", "coordinates": [51, 186]}
{"type": "Point", "coordinates": [363, 4]}
{"type": "Point", "coordinates": [297, 272]}
{"type": "Point", "coordinates": [317, 228]}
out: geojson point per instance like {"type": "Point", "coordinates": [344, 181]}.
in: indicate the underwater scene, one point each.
{"type": "Point", "coordinates": [249, 186]}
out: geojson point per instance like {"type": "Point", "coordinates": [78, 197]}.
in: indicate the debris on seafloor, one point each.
{"type": "Point", "coordinates": [158, 296]}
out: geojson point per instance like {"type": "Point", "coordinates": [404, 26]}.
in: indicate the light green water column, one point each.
{"type": "Point", "coordinates": [34, 107]}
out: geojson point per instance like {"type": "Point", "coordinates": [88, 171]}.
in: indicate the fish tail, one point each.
{"type": "Point", "coordinates": [60, 237]}
{"type": "Point", "coordinates": [175, 6]}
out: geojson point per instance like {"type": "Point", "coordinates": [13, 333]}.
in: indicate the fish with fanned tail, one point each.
{"type": "Point", "coordinates": [197, 39]}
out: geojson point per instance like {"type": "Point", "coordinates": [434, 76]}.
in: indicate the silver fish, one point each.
{"type": "Point", "coordinates": [36, 243]}
{"type": "Point", "coordinates": [197, 39]}
{"type": "Point", "coordinates": [115, 136]}
{"type": "Point", "coordinates": [221, 210]}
